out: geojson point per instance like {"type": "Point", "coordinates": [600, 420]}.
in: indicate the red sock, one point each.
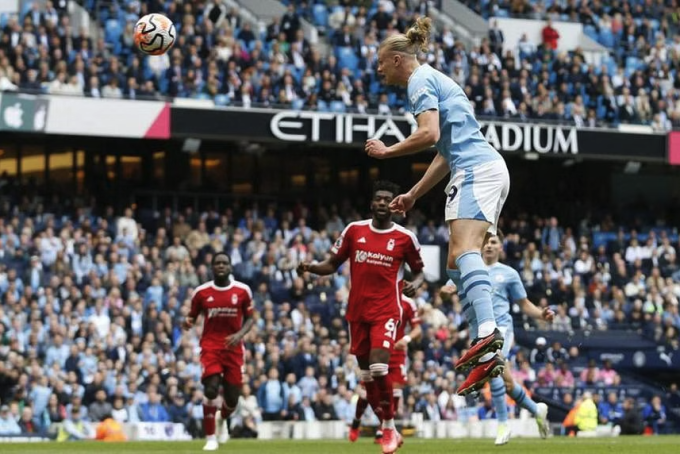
{"type": "Point", "coordinates": [384, 385]}
{"type": "Point", "coordinates": [395, 403]}
{"type": "Point", "coordinates": [373, 397]}
{"type": "Point", "coordinates": [209, 419]}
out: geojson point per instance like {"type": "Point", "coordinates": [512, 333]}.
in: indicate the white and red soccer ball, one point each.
{"type": "Point", "coordinates": [154, 34]}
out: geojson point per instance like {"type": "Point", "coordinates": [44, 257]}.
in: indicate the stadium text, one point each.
{"type": "Point", "coordinates": [297, 127]}
{"type": "Point", "coordinates": [531, 138]}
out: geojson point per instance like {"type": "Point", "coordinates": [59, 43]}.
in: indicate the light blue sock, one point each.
{"type": "Point", "coordinates": [521, 398]}
{"type": "Point", "coordinates": [498, 398]}
{"type": "Point", "coordinates": [477, 287]}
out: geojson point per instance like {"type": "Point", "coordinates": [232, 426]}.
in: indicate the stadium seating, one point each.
{"type": "Point", "coordinates": [126, 283]}
{"type": "Point", "coordinates": [355, 51]}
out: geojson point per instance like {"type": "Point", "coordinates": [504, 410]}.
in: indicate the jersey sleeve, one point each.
{"type": "Point", "coordinates": [341, 248]}
{"type": "Point", "coordinates": [516, 290]}
{"type": "Point", "coordinates": [413, 258]}
{"type": "Point", "coordinates": [422, 94]}
{"type": "Point", "coordinates": [247, 303]}
{"type": "Point", "coordinates": [196, 304]}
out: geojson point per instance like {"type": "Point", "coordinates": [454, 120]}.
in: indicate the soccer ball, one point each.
{"type": "Point", "coordinates": [154, 34]}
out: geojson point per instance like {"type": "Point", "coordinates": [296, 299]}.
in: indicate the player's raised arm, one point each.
{"type": "Point", "coordinates": [426, 136]}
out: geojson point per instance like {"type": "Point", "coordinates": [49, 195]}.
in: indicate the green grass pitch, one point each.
{"type": "Point", "coordinates": [620, 445]}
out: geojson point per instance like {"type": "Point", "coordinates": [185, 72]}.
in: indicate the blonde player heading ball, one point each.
{"type": "Point", "coordinates": [477, 189]}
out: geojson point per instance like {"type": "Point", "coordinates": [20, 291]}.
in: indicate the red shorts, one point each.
{"type": "Point", "coordinates": [367, 336]}
{"type": "Point", "coordinates": [224, 362]}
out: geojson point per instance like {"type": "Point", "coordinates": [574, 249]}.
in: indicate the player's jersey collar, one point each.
{"type": "Point", "coordinates": [376, 230]}
{"type": "Point", "coordinates": [221, 289]}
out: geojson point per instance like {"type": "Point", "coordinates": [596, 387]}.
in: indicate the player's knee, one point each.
{"type": "Point", "coordinates": [379, 356]}
{"type": "Point", "coordinates": [379, 370]}
{"type": "Point", "coordinates": [211, 392]}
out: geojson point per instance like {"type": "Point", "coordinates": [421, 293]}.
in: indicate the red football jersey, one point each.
{"type": "Point", "coordinates": [223, 310]}
{"type": "Point", "coordinates": [376, 258]}
{"type": "Point", "coordinates": [409, 317]}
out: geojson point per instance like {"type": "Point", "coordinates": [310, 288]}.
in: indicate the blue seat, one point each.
{"type": "Point", "coordinates": [607, 38]}
{"type": "Point", "coordinates": [337, 107]}
{"type": "Point", "coordinates": [322, 106]}
{"type": "Point", "coordinates": [222, 100]}
{"type": "Point", "coordinates": [347, 58]}
{"type": "Point", "coordinates": [298, 104]}
{"type": "Point", "coordinates": [112, 31]}
{"type": "Point", "coordinates": [320, 15]}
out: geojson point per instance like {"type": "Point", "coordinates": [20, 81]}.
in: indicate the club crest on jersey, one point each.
{"type": "Point", "coordinates": [390, 244]}
{"type": "Point", "coordinates": [234, 300]}
{"type": "Point", "coordinates": [500, 278]}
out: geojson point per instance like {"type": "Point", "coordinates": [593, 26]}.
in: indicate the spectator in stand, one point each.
{"type": "Point", "coordinates": [8, 426]}
{"type": "Point", "coordinates": [611, 411]}
{"type": "Point", "coordinates": [154, 410]}
{"type": "Point", "coordinates": [631, 422]}
{"type": "Point", "coordinates": [608, 375]}
{"type": "Point", "coordinates": [496, 38]}
{"type": "Point", "coordinates": [74, 428]}
{"type": "Point", "coordinates": [563, 376]}
{"type": "Point", "coordinates": [550, 35]}
{"type": "Point", "coordinates": [654, 416]}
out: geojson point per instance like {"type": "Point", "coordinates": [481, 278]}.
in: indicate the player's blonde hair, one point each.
{"type": "Point", "coordinates": [416, 38]}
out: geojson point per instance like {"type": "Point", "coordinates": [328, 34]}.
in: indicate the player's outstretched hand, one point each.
{"type": "Point", "coordinates": [548, 315]}
{"type": "Point", "coordinates": [402, 203]}
{"type": "Point", "coordinates": [233, 340]}
{"type": "Point", "coordinates": [303, 268]}
{"type": "Point", "coordinates": [409, 289]}
{"type": "Point", "coordinates": [376, 149]}
{"type": "Point", "coordinates": [188, 323]}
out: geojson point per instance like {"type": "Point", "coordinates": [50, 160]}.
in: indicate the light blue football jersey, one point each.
{"type": "Point", "coordinates": [461, 141]}
{"type": "Point", "coordinates": [507, 287]}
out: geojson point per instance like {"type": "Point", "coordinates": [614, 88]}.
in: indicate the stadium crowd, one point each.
{"type": "Point", "coordinates": [220, 57]}
{"type": "Point", "coordinates": [91, 305]}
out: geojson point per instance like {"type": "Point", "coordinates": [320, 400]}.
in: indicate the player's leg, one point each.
{"type": "Point", "coordinates": [476, 197]}
{"type": "Point", "coordinates": [382, 335]}
{"type": "Point", "coordinates": [538, 410]}
{"type": "Point", "coordinates": [360, 347]}
{"type": "Point", "coordinates": [398, 377]}
{"type": "Point", "coordinates": [211, 387]}
{"type": "Point", "coordinates": [363, 402]}
{"type": "Point", "coordinates": [498, 391]}
{"type": "Point", "coordinates": [232, 385]}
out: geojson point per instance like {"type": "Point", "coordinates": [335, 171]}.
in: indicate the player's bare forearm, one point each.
{"type": "Point", "coordinates": [238, 336]}
{"type": "Point", "coordinates": [438, 169]}
{"type": "Point", "coordinates": [534, 311]}
{"type": "Point", "coordinates": [328, 266]}
{"type": "Point", "coordinates": [416, 332]}
{"type": "Point", "coordinates": [422, 139]}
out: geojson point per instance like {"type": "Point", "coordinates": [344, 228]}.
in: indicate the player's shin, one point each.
{"type": "Point", "coordinates": [379, 372]}
{"type": "Point", "coordinates": [209, 410]}
{"type": "Point", "coordinates": [520, 397]}
{"type": "Point", "coordinates": [477, 287]}
{"type": "Point", "coordinates": [362, 403]}
{"type": "Point", "coordinates": [498, 398]}
{"type": "Point", "coordinates": [396, 397]}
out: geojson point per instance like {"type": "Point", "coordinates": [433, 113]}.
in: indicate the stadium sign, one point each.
{"type": "Point", "coordinates": [512, 137]}
{"type": "Point", "coordinates": [305, 126]}
{"type": "Point", "coordinates": [352, 130]}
